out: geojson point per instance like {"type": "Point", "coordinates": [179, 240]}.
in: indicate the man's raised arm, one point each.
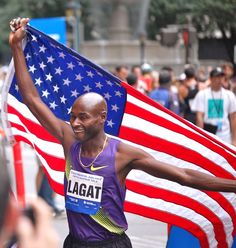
{"type": "Point", "coordinates": [27, 89]}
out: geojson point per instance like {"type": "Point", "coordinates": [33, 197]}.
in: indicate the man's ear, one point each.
{"type": "Point", "coordinates": [104, 115]}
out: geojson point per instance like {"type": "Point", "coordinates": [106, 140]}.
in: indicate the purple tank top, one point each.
{"type": "Point", "coordinates": [83, 226]}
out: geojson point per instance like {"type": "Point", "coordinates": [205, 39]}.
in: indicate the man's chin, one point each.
{"type": "Point", "coordinates": [79, 136]}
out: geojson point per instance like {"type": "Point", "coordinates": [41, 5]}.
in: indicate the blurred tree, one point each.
{"type": "Point", "coordinates": [212, 18]}
{"type": "Point", "coordinates": [27, 8]}
{"type": "Point", "coordinates": [216, 19]}
{"type": "Point", "coordinates": [163, 12]}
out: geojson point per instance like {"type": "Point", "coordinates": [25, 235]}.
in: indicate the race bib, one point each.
{"type": "Point", "coordinates": [84, 192]}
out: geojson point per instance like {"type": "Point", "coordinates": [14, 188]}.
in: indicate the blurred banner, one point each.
{"type": "Point", "coordinates": [55, 27]}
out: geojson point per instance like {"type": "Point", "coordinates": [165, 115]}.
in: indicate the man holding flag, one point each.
{"type": "Point", "coordinates": [97, 165]}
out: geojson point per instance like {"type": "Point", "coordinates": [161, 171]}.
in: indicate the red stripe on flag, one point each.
{"type": "Point", "coordinates": [173, 149]}
{"type": "Point", "coordinates": [168, 218]}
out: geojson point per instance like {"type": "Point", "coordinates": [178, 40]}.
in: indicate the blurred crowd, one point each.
{"type": "Point", "coordinates": [181, 93]}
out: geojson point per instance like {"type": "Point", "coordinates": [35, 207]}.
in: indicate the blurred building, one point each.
{"type": "Point", "coordinates": [119, 36]}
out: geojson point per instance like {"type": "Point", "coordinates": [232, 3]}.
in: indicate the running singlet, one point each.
{"type": "Point", "coordinates": [110, 219]}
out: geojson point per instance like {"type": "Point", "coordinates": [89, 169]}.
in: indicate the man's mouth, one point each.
{"type": "Point", "coordinates": [76, 131]}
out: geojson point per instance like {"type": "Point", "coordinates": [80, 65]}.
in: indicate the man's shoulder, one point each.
{"type": "Point", "coordinates": [132, 151]}
{"type": "Point", "coordinates": [124, 148]}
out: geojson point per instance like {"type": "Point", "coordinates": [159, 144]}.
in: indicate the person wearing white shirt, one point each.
{"type": "Point", "coordinates": [215, 108]}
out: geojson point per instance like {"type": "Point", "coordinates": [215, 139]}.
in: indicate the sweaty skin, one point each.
{"type": "Point", "coordinates": [87, 125]}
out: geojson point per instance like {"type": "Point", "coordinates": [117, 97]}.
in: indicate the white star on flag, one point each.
{"type": "Point", "coordinates": [42, 49]}
{"type": "Point", "coordinates": [110, 123]}
{"type": "Point", "coordinates": [45, 93]}
{"type": "Point", "coordinates": [90, 74]}
{"type": "Point", "coordinates": [58, 70]}
{"type": "Point", "coordinates": [27, 56]}
{"type": "Point", "coordinates": [78, 77]}
{"type": "Point", "coordinates": [87, 88]}
{"type": "Point", "coordinates": [53, 105]}
{"type": "Point", "coordinates": [50, 59]}
{"type": "Point", "coordinates": [55, 88]}
{"type": "Point", "coordinates": [62, 55]}
{"type": "Point", "coordinates": [118, 93]}
{"type": "Point", "coordinates": [42, 65]}
{"type": "Point", "coordinates": [114, 107]}
{"type": "Point", "coordinates": [38, 81]}
{"type": "Point", "coordinates": [107, 96]}
{"type": "Point", "coordinates": [48, 77]}
{"type": "Point", "coordinates": [32, 69]}
{"type": "Point", "coordinates": [74, 93]}
{"type": "Point", "coordinates": [63, 99]}
{"type": "Point", "coordinates": [98, 85]}
{"type": "Point", "coordinates": [70, 65]}
{"type": "Point", "coordinates": [66, 81]}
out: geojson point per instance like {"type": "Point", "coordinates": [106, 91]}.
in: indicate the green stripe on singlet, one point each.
{"type": "Point", "coordinates": [100, 217]}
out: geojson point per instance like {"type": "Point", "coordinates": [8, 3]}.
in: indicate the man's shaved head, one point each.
{"type": "Point", "coordinates": [92, 100]}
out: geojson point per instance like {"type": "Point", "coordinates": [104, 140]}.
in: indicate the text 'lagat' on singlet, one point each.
{"type": "Point", "coordinates": [110, 218]}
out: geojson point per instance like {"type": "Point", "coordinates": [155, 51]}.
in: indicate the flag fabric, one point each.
{"type": "Point", "coordinates": [61, 75]}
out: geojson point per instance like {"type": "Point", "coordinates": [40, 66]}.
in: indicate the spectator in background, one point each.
{"type": "Point", "coordinates": [155, 79]}
{"type": "Point", "coordinates": [215, 108]}
{"type": "Point", "coordinates": [147, 76]}
{"type": "Point", "coordinates": [140, 85]}
{"type": "Point", "coordinates": [136, 70]}
{"type": "Point", "coordinates": [187, 91]}
{"type": "Point", "coordinates": [229, 81]}
{"type": "Point", "coordinates": [163, 93]}
{"type": "Point", "coordinates": [170, 70]}
{"type": "Point", "coordinates": [174, 84]}
{"type": "Point", "coordinates": [132, 80]}
{"type": "Point", "coordinates": [122, 72]}
{"type": "Point", "coordinates": [201, 77]}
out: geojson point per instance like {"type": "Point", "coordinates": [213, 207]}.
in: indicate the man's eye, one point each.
{"type": "Point", "coordinates": [83, 117]}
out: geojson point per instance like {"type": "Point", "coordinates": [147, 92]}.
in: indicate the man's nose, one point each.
{"type": "Point", "coordinates": [76, 122]}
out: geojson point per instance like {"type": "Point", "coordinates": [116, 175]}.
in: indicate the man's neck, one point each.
{"type": "Point", "coordinates": [92, 146]}
{"type": "Point", "coordinates": [216, 88]}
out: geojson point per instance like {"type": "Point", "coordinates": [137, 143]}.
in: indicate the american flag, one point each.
{"type": "Point", "coordinates": [61, 75]}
